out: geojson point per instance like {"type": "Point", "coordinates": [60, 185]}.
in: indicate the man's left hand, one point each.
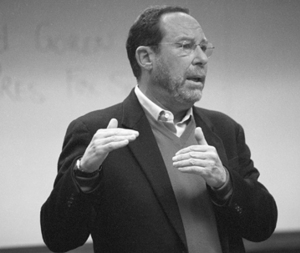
{"type": "Point", "coordinates": [202, 160]}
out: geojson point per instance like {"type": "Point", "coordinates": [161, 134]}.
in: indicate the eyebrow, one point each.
{"type": "Point", "coordinates": [191, 39]}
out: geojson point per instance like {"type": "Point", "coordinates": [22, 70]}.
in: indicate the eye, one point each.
{"type": "Point", "coordinates": [203, 47]}
{"type": "Point", "coordinates": [187, 45]}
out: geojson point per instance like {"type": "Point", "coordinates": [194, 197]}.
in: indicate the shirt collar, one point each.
{"type": "Point", "coordinates": [156, 111]}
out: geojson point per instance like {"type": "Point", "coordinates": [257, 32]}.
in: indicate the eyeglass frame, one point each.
{"type": "Point", "coordinates": [193, 46]}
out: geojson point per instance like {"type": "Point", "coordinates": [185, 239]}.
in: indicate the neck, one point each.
{"type": "Point", "coordinates": [178, 110]}
{"type": "Point", "coordinates": [179, 116]}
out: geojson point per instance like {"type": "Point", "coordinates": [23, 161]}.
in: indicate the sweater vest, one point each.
{"type": "Point", "coordinates": [190, 190]}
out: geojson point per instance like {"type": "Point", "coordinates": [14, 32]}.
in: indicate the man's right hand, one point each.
{"type": "Point", "coordinates": [103, 142]}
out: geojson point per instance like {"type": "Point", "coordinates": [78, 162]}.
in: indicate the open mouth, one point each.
{"type": "Point", "coordinates": [196, 79]}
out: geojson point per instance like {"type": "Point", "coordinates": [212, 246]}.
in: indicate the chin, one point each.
{"type": "Point", "coordinates": [190, 98]}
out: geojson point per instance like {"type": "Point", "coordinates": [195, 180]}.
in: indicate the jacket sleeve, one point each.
{"type": "Point", "coordinates": [68, 212]}
{"type": "Point", "coordinates": [251, 210]}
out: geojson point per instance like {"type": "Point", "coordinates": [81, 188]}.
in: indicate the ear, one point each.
{"type": "Point", "coordinates": [144, 57]}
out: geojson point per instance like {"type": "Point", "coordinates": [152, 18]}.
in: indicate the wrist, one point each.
{"type": "Point", "coordinates": [80, 171]}
{"type": "Point", "coordinates": [225, 190]}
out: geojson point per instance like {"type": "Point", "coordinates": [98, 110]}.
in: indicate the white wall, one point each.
{"type": "Point", "coordinates": [60, 59]}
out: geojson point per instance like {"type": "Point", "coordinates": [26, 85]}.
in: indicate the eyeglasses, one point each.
{"type": "Point", "coordinates": [188, 47]}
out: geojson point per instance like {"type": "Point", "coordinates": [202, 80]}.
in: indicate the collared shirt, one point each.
{"type": "Point", "coordinates": [163, 115]}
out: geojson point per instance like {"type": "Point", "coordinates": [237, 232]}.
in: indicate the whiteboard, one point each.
{"type": "Point", "coordinates": [61, 59]}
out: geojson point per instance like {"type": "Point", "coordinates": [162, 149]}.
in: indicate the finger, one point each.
{"type": "Point", "coordinates": [200, 136]}
{"type": "Point", "coordinates": [108, 147]}
{"type": "Point", "coordinates": [113, 123]}
{"type": "Point", "coordinates": [193, 148]}
{"type": "Point", "coordinates": [188, 156]}
{"type": "Point", "coordinates": [104, 136]}
{"type": "Point", "coordinates": [114, 140]}
{"type": "Point", "coordinates": [191, 164]}
{"type": "Point", "coordinates": [191, 169]}
{"type": "Point", "coordinates": [104, 146]}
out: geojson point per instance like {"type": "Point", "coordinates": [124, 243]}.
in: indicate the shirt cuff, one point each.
{"type": "Point", "coordinates": [87, 184]}
{"type": "Point", "coordinates": [222, 194]}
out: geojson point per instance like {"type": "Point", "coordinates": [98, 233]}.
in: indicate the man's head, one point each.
{"type": "Point", "coordinates": [171, 63]}
{"type": "Point", "coordinates": [146, 32]}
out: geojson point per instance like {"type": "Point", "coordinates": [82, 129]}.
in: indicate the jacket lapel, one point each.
{"type": "Point", "coordinates": [147, 153]}
{"type": "Point", "coordinates": [211, 137]}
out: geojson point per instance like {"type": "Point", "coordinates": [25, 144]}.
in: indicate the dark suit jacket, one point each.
{"type": "Point", "coordinates": [133, 208]}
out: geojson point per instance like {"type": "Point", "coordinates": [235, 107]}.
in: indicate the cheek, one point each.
{"type": "Point", "coordinates": [180, 69]}
{"type": "Point", "coordinates": [177, 67]}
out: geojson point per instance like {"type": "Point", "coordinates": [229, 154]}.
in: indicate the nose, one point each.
{"type": "Point", "coordinates": [200, 57]}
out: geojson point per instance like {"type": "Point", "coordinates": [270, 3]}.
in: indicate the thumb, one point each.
{"type": "Point", "coordinates": [200, 136]}
{"type": "Point", "coordinates": [113, 123]}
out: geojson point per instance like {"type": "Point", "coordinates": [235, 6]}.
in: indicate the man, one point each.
{"type": "Point", "coordinates": [155, 173]}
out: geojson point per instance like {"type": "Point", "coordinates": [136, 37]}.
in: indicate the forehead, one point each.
{"type": "Point", "coordinates": [176, 26]}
